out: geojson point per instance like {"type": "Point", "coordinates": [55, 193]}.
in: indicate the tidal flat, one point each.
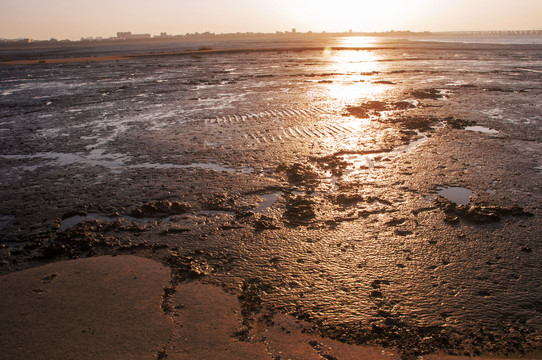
{"type": "Point", "coordinates": [384, 193]}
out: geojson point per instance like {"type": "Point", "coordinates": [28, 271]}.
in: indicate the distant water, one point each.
{"type": "Point", "coordinates": [114, 48]}
{"type": "Point", "coordinates": [503, 40]}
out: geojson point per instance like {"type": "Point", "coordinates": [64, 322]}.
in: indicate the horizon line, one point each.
{"type": "Point", "coordinates": [164, 35]}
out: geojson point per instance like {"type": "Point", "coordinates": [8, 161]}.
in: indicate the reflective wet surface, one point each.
{"type": "Point", "coordinates": [318, 183]}
{"type": "Point", "coordinates": [482, 129]}
{"type": "Point", "coordinates": [455, 194]}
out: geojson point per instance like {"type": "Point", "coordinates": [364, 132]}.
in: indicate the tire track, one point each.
{"type": "Point", "coordinates": [273, 126]}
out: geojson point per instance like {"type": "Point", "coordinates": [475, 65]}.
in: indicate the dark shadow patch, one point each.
{"type": "Point", "coordinates": [347, 200]}
{"type": "Point", "coordinates": [300, 210]}
{"type": "Point", "coordinates": [431, 94]}
{"type": "Point", "coordinates": [384, 82]}
{"type": "Point", "coordinates": [458, 123]}
{"type": "Point", "coordinates": [264, 222]}
{"type": "Point", "coordinates": [498, 89]}
{"type": "Point", "coordinates": [421, 123]}
{"type": "Point", "coordinates": [477, 213]}
{"type": "Point", "coordinates": [301, 175]}
{"type": "Point", "coordinates": [367, 109]}
{"type": "Point", "coordinates": [188, 267]}
{"type": "Point", "coordinates": [159, 209]}
{"type": "Point", "coordinates": [375, 108]}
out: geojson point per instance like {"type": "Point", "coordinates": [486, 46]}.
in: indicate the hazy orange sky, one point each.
{"type": "Point", "coordinates": [73, 19]}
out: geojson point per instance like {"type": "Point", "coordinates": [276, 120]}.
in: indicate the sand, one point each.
{"type": "Point", "coordinates": [116, 308]}
{"type": "Point", "coordinates": [96, 308]}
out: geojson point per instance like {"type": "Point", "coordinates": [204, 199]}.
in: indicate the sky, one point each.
{"type": "Point", "coordinates": [73, 19]}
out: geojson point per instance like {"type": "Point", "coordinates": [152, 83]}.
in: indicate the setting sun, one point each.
{"type": "Point", "coordinates": [344, 15]}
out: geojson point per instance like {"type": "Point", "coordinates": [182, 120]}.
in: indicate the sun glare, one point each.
{"type": "Point", "coordinates": [343, 15]}
{"type": "Point", "coordinates": [352, 62]}
{"type": "Point", "coordinates": [354, 70]}
{"type": "Point", "coordinates": [357, 42]}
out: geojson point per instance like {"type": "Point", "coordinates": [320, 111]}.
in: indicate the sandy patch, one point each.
{"type": "Point", "coordinates": [96, 308]}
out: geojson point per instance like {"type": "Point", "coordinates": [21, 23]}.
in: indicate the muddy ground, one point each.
{"type": "Point", "coordinates": [387, 197]}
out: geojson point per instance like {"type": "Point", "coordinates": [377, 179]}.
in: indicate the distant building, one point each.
{"type": "Point", "coordinates": [124, 35]}
{"type": "Point", "coordinates": [127, 35]}
{"type": "Point", "coordinates": [141, 36]}
{"type": "Point", "coordinates": [294, 30]}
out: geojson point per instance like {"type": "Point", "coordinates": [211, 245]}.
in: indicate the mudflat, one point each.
{"type": "Point", "coordinates": [387, 197]}
{"type": "Point", "coordinates": [123, 307]}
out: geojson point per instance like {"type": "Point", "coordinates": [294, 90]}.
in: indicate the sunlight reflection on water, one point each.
{"type": "Point", "coordinates": [354, 62]}
{"type": "Point", "coordinates": [350, 82]}
{"type": "Point", "coordinates": [358, 41]}
{"type": "Point", "coordinates": [354, 69]}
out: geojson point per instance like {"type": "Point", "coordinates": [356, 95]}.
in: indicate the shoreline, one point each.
{"type": "Point", "coordinates": [205, 50]}
{"type": "Point", "coordinates": [163, 54]}
{"type": "Point", "coordinates": [176, 53]}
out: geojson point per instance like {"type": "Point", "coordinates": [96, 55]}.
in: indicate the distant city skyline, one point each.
{"type": "Point", "coordinates": [77, 19]}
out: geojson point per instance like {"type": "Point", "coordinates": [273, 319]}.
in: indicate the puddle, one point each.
{"type": "Point", "coordinates": [216, 212]}
{"type": "Point", "coordinates": [370, 161]}
{"type": "Point", "coordinates": [113, 161]}
{"type": "Point", "coordinates": [16, 244]}
{"type": "Point", "coordinates": [495, 113]}
{"type": "Point", "coordinates": [457, 83]}
{"type": "Point", "coordinates": [481, 129]}
{"type": "Point", "coordinates": [531, 70]}
{"type": "Point", "coordinates": [359, 162]}
{"type": "Point", "coordinates": [5, 220]}
{"type": "Point", "coordinates": [412, 145]}
{"type": "Point", "coordinates": [444, 94]}
{"type": "Point", "coordinates": [456, 194]}
{"type": "Point", "coordinates": [74, 220]}
{"type": "Point", "coordinates": [268, 201]}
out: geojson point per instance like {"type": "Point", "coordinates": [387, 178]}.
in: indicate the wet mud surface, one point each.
{"type": "Point", "coordinates": [308, 183]}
